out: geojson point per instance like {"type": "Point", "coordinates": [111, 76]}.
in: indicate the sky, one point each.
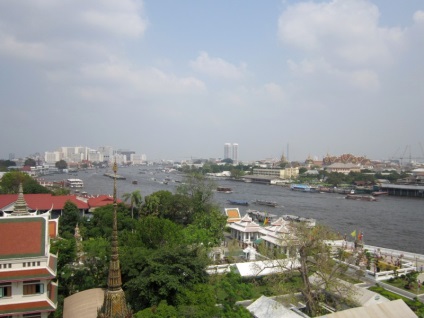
{"type": "Point", "coordinates": [178, 79]}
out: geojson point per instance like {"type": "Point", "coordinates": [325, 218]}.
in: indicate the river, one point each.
{"type": "Point", "coordinates": [390, 222]}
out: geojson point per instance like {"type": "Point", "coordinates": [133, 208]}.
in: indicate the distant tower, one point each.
{"type": "Point", "coordinates": [235, 153]}
{"type": "Point", "coordinates": [227, 150]}
{"type": "Point", "coordinates": [114, 305]}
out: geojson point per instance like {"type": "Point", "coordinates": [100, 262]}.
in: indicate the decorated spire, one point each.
{"type": "Point", "coordinates": [21, 207]}
{"type": "Point", "coordinates": [114, 305]}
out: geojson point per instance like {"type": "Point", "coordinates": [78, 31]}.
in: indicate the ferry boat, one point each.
{"type": "Point", "coordinates": [267, 203]}
{"type": "Point", "coordinates": [360, 197]}
{"type": "Point", "coordinates": [74, 183]}
{"type": "Point", "coordinates": [302, 188]}
{"type": "Point", "coordinates": [224, 190]}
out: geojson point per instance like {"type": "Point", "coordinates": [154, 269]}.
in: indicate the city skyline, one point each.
{"type": "Point", "coordinates": [176, 80]}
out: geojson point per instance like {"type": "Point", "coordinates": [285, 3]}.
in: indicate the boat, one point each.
{"type": "Point", "coordinates": [261, 216]}
{"type": "Point", "coordinates": [135, 182]}
{"type": "Point", "coordinates": [267, 203]}
{"type": "Point", "coordinates": [302, 188]}
{"type": "Point", "coordinates": [74, 183]}
{"type": "Point", "coordinates": [224, 190]}
{"type": "Point", "coordinates": [378, 193]}
{"type": "Point", "coordinates": [238, 202]}
{"type": "Point", "coordinates": [360, 197]}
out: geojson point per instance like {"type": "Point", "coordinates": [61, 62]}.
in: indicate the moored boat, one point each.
{"type": "Point", "coordinates": [261, 216]}
{"type": "Point", "coordinates": [238, 202]}
{"type": "Point", "coordinates": [224, 190]}
{"type": "Point", "coordinates": [267, 203]}
{"type": "Point", "coordinates": [378, 193]}
{"type": "Point", "coordinates": [302, 188]}
{"type": "Point", "coordinates": [360, 197]}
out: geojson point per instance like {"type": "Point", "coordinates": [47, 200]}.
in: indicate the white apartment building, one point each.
{"type": "Point", "coordinates": [52, 157]}
{"type": "Point", "coordinates": [138, 159]}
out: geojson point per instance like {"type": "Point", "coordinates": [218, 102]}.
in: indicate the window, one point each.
{"type": "Point", "coordinates": [33, 287]}
{"type": "Point", "coordinates": [33, 315]}
{"type": "Point", "coordinates": [5, 290]}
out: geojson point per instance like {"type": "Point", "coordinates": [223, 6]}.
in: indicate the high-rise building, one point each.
{"type": "Point", "coordinates": [234, 154]}
{"type": "Point", "coordinates": [227, 150]}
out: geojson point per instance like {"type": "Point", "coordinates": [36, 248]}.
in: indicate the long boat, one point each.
{"type": "Point", "coordinates": [224, 190]}
{"type": "Point", "coordinates": [302, 188]}
{"type": "Point", "coordinates": [360, 197]}
{"type": "Point", "coordinates": [238, 202]}
{"type": "Point", "coordinates": [267, 203]}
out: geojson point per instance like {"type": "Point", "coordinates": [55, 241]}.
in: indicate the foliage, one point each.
{"type": "Point", "coordinates": [100, 225]}
{"type": "Point", "coordinates": [314, 258]}
{"type": "Point", "coordinates": [199, 190]}
{"type": "Point", "coordinates": [10, 181]}
{"type": "Point", "coordinates": [30, 162]}
{"type": "Point", "coordinates": [61, 164]}
{"type": "Point", "coordinates": [164, 204]}
{"type": "Point", "coordinates": [414, 304]}
{"type": "Point", "coordinates": [4, 164]}
{"type": "Point", "coordinates": [69, 219]}
{"type": "Point", "coordinates": [163, 310]}
{"type": "Point", "coordinates": [135, 200]}
{"type": "Point", "coordinates": [162, 274]}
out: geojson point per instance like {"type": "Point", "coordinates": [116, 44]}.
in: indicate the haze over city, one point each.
{"type": "Point", "coordinates": [178, 79]}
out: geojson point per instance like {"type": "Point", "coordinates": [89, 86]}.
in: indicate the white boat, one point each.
{"type": "Point", "coordinates": [74, 183]}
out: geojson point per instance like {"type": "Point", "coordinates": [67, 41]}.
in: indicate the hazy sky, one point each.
{"type": "Point", "coordinates": [178, 79]}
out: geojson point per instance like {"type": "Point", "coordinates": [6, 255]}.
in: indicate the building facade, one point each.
{"type": "Point", "coordinates": [27, 268]}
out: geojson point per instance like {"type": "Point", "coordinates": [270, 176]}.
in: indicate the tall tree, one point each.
{"type": "Point", "coordinates": [69, 219]}
{"type": "Point", "coordinates": [313, 257]}
{"type": "Point", "coordinates": [30, 162]}
{"type": "Point", "coordinates": [10, 181]}
{"type": "Point", "coordinates": [61, 164]}
{"type": "Point", "coordinates": [135, 200]}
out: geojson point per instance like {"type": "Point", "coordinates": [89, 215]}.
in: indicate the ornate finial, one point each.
{"type": "Point", "coordinates": [21, 207]}
{"type": "Point", "coordinates": [114, 305]}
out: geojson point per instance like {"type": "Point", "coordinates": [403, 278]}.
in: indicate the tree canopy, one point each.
{"type": "Point", "coordinates": [10, 181]}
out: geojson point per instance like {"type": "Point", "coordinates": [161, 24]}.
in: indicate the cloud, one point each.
{"type": "Point", "coordinates": [217, 67]}
{"type": "Point", "coordinates": [345, 32]}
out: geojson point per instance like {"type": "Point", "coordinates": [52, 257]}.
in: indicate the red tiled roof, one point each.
{"type": "Point", "coordinates": [26, 307]}
{"type": "Point", "coordinates": [43, 201]}
{"type": "Point", "coordinates": [24, 236]}
{"type": "Point", "coordinates": [101, 200]}
{"type": "Point", "coordinates": [25, 274]}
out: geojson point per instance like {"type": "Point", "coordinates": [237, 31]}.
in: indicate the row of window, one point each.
{"type": "Point", "coordinates": [28, 264]}
{"type": "Point", "coordinates": [25, 264]}
{"type": "Point", "coordinates": [29, 288]}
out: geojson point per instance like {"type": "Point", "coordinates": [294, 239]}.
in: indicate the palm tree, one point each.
{"type": "Point", "coordinates": [135, 200]}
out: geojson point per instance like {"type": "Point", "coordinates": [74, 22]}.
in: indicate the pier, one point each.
{"type": "Point", "coordinates": [403, 190]}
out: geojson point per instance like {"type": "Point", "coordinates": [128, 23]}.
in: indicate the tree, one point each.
{"type": "Point", "coordinates": [61, 164]}
{"type": "Point", "coordinates": [199, 190]}
{"type": "Point", "coordinates": [30, 162]}
{"type": "Point", "coordinates": [69, 219]}
{"type": "Point", "coordinates": [313, 260]}
{"type": "Point", "coordinates": [135, 200]}
{"type": "Point", "coordinates": [10, 181]}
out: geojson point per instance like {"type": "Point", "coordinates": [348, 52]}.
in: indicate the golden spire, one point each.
{"type": "Point", "coordinates": [114, 305]}
{"type": "Point", "coordinates": [21, 207]}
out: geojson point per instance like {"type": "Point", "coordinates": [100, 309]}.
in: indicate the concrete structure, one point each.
{"type": "Point", "coordinates": [27, 269]}
{"type": "Point", "coordinates": [344, 168]}
{"type": "Point", "coordinates": [227, 151]}
{"type": "Point", "coordinates": [246, 231]}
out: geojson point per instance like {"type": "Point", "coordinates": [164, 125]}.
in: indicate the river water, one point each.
{"type": "Point", "coordinates": [390, 222]}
